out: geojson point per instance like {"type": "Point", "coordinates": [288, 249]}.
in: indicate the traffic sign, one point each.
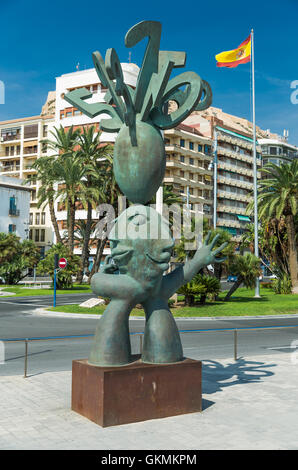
{"type": "Point", "coordinates": [62, 263]}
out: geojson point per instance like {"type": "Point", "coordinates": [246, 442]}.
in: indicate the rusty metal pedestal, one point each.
{"type": "Point", "coordinates": [110, 396]}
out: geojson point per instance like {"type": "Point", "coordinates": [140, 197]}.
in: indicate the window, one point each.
{"type": "Point", "coordinates": [42, 235]}
{"type": "Point", "coordinates": [45, 131]}
{"type": "Point", "coordinates": [30, 234]}
{"type": "Point", "coordinates": [76, 112]}
{"type": "Point", "coordinates": [31, 219]}
{"type": "Point", "coordinates": [182, 143]}
{"type": "Point", "coordinates": [12, 228]}
{"type": "Point", "coordinates": [182, 174]}
{"type": "Point", "coordinates": [37, 218]}
{"type": "Point", "coordinates": [207, 149]}
{"type": "Point", "coordinates": [31, 131]}
{"type": "Point", "coordinates": [13, 206]}
{"type": "Point", "coordinates": [68, 114]}
{"type": "Point", "coordinates": [37, 235]}
{"type": "Point", "coordinates": [273, 151]}
{"type": "Point", "coordinates": [200, 148]}
{"type": "Point", "coordinates": [43, 218]}
{"type": "Point", "coordinates": [182, 158]}
{"type": "Point", "coordinates": [191, 161]}
{"type": "Point", "coordinates": [191, 176]}
{"type": "Point", "coordinates": [191, 145]}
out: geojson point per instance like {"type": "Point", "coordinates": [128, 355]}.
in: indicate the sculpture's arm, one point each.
{"type": "Point", "coordinates": [114, 286]}
{"type": "Point", "coordinates": [203, 257]}
{"type": "Point", "coordinates": [107, 284]}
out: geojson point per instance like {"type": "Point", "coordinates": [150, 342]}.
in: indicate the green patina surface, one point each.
{"type": "Point", "coordinates": [139, 166]}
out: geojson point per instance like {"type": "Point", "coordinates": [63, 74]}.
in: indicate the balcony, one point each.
{"type": "Point", "coordinates": [10, 138]}
{"type": "Point", "coordinates": [8, 169]}
{"type": "Point", "coordinates": [233, 196]}
{"type": "Point", "coordinates": [231, 209]}
{"type": "Point", "coordinates": [14, 212]}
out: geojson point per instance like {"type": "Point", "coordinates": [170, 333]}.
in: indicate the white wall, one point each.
{"type": "Point", "coordinates": [22, 204]}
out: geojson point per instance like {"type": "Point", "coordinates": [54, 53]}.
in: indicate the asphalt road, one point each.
{"type": "Point", "coordinates": [17, 320]}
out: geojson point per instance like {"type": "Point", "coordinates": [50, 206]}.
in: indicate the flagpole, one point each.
{"type": "Point", "coordinates": [255, 170]}
{"type": "Point", "coordinates": [215, 181]}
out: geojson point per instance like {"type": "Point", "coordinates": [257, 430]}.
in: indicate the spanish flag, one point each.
{"type": "Point", "coordinates": [233, 58]}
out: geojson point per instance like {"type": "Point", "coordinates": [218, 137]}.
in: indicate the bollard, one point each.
{"type": "Point", "coordinates": [235, 345]}
{"type": "Point", "coordinates": [26, 358]}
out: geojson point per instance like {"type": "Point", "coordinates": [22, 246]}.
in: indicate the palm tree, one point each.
{"type": "Point", "coordinates": [278, 197]}
{"type": "Point", "coordinates": [62, 145]}
{"type": "Point", "coordinates": [70, 173]}
{"type": "Point", "coordinates": [63, 142]}
{"type": "Point", "coordinates": [169, 196]}
{"type": "Point", "coordinates": [46, 193]}
{"type": "Point", "coordinates": [80, 232]}
{"type": "Point", "coordinates": [246, 268]}
{"type": "Point", "coordinates": [109, 192]}
{"type": "Point", "coordinates": [91, 155]}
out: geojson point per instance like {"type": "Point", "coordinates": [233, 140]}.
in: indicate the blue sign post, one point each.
{"type": "Point", "coordinates": [56, 260]}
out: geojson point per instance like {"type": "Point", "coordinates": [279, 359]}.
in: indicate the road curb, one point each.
{"type": "Point", "coordinates": [43, 311]}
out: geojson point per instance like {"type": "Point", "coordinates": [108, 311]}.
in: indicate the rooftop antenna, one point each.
{"type": "Point", "coordinates": [78, 66]}
{"type": "Point", "coordinates": [129, 57]}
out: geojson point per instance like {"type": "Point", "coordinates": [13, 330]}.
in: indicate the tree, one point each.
{"type": "Point", "coordinates": [246, 268]}
{"type": "Point", "coordinates": [16, 257]}
{"type": "Point", "coordinates": [54, 169]}
{"type": "Point", "coordinates": [69, 172]}
{"type": "Point", "coordinates": [91, 155]}
{"type": "Point", "coordinates": [273, 243]}
{"type": "Point", "coordinates": [109, 192]}
{"type": "Point", "coordinates": [46, 193]}
{"type": "Point", "coordinates": [278, 198]}
{"type": "Point", "coordinates": [64, 276]}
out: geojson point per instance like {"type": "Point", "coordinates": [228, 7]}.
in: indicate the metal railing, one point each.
{"type": "Point", "coordinates": [234, 331]}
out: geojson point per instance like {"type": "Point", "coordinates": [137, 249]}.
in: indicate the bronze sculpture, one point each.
{"type": "Point", "coordinates": [139, 166]}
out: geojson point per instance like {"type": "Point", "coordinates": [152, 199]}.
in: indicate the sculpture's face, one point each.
{"type": "Point", "coordinates": [141, 245]}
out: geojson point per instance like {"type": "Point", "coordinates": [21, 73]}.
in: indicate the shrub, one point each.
{"type": "Point", "coordinates": [64, 276]}
{"type": "Point", "coordinates": [282, 285]}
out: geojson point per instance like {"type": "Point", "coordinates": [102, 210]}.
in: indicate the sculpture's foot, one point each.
{"type": "Point", "coordinates": [162, 344]}
{"type": "Point", "coordinates": [111, 346]}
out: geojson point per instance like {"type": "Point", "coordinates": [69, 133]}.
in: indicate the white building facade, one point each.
{"type": "Point", "coordinates": [20, 146]}
{"type": "Point", "coordinates": [14, 207]}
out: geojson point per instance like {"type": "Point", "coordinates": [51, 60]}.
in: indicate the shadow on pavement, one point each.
{"type": "Point", "coordinates": [217, 376]}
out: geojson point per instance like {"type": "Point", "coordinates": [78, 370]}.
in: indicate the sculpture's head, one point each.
{"type": "Point", "coordinates": [139, 114]}
{"type": "Point", "coordinates": [141, 244]}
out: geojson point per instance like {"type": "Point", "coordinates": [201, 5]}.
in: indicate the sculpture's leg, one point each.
{"type": "Point", "coordinates": [111, 345]}
{"type": "Point", "coordinates": [162, 342]}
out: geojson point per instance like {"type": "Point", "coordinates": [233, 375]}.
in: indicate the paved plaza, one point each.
{"type": "Point", "coordinates": [248, 404]}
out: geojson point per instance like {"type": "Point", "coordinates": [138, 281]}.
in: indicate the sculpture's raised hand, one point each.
{"type": "Point", "coordinates": [205, 255]}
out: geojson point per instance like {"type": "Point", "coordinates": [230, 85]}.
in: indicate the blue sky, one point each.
{"type": "Point", "coordinates": [42, 40]}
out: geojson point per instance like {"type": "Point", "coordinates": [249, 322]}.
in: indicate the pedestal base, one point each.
{"type": "Point", "coordinates": [111, 396]}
